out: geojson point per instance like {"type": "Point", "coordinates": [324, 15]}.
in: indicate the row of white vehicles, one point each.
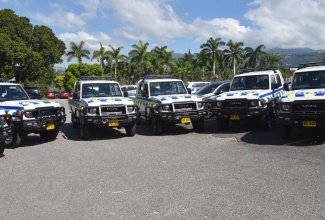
{"type": "Point", "coordinates": [255, 94]}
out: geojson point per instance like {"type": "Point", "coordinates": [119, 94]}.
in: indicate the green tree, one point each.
{"type": "Point", "coordinates": [234, 54]}
{"type": "Point", "coordinates": [210, 48]}
{"type": "Point", "coordinates": [253, 56]}
{"type": "Point", "coordinates": [77, 51]}
{"type": "Point", "coordinates": [165, 58]}
{"type": "Point", "coordinates": [27, 52]}
{"type": "Point", "coordinates": [101, 55]}
{"type": "Point", "coordinates": [139, 55]}
{"type": "Point", "coordinates": [115, 55]}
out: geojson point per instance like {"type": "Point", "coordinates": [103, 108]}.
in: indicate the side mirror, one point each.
{"type": "Point", "coordinates": [125, 94]}
{"type": "Point", "coordinates": [75, 95]}
{"type": "Point", "coordinates": [227, 88]}
{"type": "Point", "coordinates": [274, 86]}
{"type": "Point", "coordinates": [286, 86]}
{"type": "Point", "coordinates": [144, 94]}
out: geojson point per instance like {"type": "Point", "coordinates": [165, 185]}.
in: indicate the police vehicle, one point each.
{"type": "Point", "coordinates": [98, 102]}
{"type": "Point", "coordinates": [30, 116]}
{"type": "Point", "coordinates": [164, 99]}
{"type": "Point", "coordinates": [303, 105]}
{"type": "Point", "coordinates": [252, 96]}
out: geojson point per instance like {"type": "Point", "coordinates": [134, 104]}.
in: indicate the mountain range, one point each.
{"type": "Point", "coordinates": [291, 57]}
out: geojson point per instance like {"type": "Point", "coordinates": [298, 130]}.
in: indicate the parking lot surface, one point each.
{"type": "Point", "coordinates": [240, 173]}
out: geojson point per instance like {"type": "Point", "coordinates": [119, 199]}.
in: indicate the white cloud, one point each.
{"type": "Point", "coordinates": [288, 24]}
{"type": "Point", "coordinates": [146, 19]}
{"type": "Point", "coordinates": [60, 18]}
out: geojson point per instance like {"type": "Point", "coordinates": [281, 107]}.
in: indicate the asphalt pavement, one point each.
{"type": "Point", "coordinates": [240, 173]}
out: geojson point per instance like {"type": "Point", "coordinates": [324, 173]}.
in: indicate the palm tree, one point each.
{"type": "Point", "coordinates": [115, 55]}
{"type": "Point", "coordinates": [234, 53]}
{"type": "Point", "coordinates": [77, 51]}
{"type": "Point", "coordinates": [139, 54]}
{"type": "Point", "coordinates": [165, 57]}
{"type": "Point", "coordinates": [253, 57]}
{"type": "Point", "coordinates": [101, 55]}
{"type": "Point", "coordinates": [211, 49]}
{"type": "Point", "coordinates": [271, 59]}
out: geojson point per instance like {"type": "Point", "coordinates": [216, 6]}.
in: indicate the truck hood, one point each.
{"type": "Point", "coordinates": [28, 104]}
{"type": "Point", "coordinates": [165, 99]}
{"type": "Point", "coordinates": [310, 94]}
{"type": "Point", "coordinates": [244, 94]}
{"type": "Point", "coordinates": [107, 101]}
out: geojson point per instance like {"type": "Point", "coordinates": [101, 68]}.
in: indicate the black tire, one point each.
{"type": "Point", "coordinates": [12, 141]}
{"type": "Point", "coordinates": [73, 120]}
{"type": "Point", "coordinates": [286, 131]}
{"type": "Point", "coordinates": [84, 132]}
{"type": "Point", "coordinates": [130, 129]}
{"type": "Point", "coordinates": [267, 122]}
{"type": "Point", "coordinates": [49, 135]}
{"type": "Point", "coordinates": [222, 124]}
{"type": "Point", "coordinates": [156, 126]}
{"type": "Point", "coordinates": [2, 147]}
{"type": "Point", "coordinates": [198, 125]}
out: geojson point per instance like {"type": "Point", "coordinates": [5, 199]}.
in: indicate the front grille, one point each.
{"type": "Point", "coordinates": [112, 110]}
{"type": "Point", "coordinates": [308, 107]}
{"type": "Point", "coordinates": [184, 106]}
{"type": "Point", "coordinates": [234, 104]}
{"type": "Point", "coordinates": [47, 112]}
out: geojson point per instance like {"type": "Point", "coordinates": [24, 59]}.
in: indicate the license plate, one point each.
{"type": "Point", "coordinates": [113, 123]}
{"type": "Point", "coordinates": [50, 126]}
{"type": "Point", "coordinates": [234, 117]}
{"type": "Point", "coordinates": [186, 120]}
{"type": "Point", "coordinates": [311, 124]}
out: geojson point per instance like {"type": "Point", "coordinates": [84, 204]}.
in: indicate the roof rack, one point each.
{"type": "Point", "coordinates": [304, 65]}
{"type": "Point", "coordinates": [95, 78]}
{"type": "Point", "coordinates": [168, 76]}
{"type": "Point", "coordinates": [257, 69]}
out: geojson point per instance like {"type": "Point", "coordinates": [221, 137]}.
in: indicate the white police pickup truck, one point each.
{"type": "Point", "coordinates": [30, 116]}
{"type": "Point", "coordinates": [303, 105]}
{"type": "Point", "coordinates": [252, 96]}
{"type": "Point", "coordinates": [6, 129]}
{"type": "Point", "coordinates": [99, 102]}
{"type": "Point", "coordinates": [163, 99]}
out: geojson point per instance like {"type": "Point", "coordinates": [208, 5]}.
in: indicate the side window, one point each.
{"type": "Point", "coordinates": [223, 88]}
{"type": "Point", "coordinates": [272, 77]}
{"type": "Point", "coordinates": [278, 79]}
{"type": "Point", "coordinates": [140, 89]}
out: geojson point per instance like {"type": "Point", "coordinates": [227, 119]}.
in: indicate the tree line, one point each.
{"type": "Point", "coordinates": [29, 54]}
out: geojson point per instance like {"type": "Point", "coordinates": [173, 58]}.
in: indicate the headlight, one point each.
{"type": "Point", "coordinates": [130, 109]}
{"type": "Point", "coordinates": [28, 114]}
{"type": "Point", "coordinates": [254, 103]}
{"type": "Point", "coordinates": [92, 111]}
{"type": "Point", "coordinates": [165, 108]}
{"type": "Point", "coordinates": [201, 105]}
{"type": "Point", "coordinates": [285, 107]}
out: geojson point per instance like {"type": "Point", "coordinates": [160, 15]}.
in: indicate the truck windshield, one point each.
{"type": "Point", "coordinates": [250, 82]}
{"type": "Point", "coordinates": [308, 80]}
{"type": "Point", "coordinates": [12, 92]}
{"type": "Point", "coordinates": [101, 90]}
{"type": "Point", "coordinates": [167, 88]}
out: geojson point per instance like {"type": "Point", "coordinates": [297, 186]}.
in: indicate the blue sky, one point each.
{"type": "Point", "coordinates": [181, 25]}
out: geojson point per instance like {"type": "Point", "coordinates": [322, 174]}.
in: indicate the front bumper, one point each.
{"type": "Point", "coordinates": [43, 119]}
{"type": "Point", "coordinates": [240, 114]}
{"type": "Point", "coordinates": [178, 117]}
{"type": "Point", "coordinates": [302, 120]}
{"type": "Point", "coordinates": [110, 121]}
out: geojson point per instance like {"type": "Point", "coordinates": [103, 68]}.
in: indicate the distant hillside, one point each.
{"type": "Point", "coordinates": [294, 57]}
{"type": "Point", "coordinates": [290, 57]}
